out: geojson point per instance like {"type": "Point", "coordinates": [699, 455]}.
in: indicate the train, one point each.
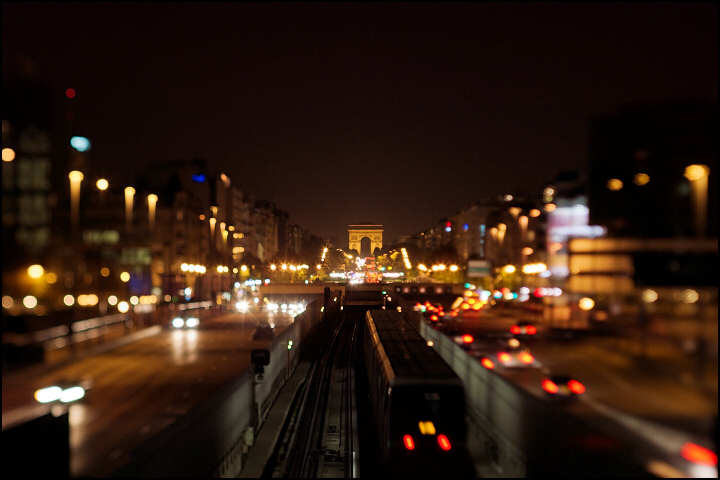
{"type": "Point", "coordinates": [418, 401]}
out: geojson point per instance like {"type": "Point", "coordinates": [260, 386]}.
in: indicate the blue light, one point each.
{"type": "Point", "coordinates": [198, 177]}
{"type": "Point", "coordinates": [81, 144]}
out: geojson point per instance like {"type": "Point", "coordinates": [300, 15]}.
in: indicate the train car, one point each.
{"type": "Point", "coordinates": [418, 401]}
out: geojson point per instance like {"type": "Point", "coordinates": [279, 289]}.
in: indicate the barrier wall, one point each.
{"type": "Point", "coordinates": [212, 439]}
{"type": "Point", "coordinates": [512, 433]}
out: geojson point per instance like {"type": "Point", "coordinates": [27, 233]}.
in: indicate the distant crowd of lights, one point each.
{"type": "Point", "coordinates": [293, 308]}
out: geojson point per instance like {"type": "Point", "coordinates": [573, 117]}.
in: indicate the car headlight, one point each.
{"type": "Point", "coordinates": [178, 322]}
{"type": "Point", "coordinates": [192, 322]}
{"type": "Point", "coordinates": [71, 394]}
{"type": "Point", "coordinates": [49, 394]}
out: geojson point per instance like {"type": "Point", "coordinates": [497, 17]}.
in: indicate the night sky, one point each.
{"type": "Point", "coordinates": [400, 114]}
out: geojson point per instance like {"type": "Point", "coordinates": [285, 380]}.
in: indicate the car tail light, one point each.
{"type": "Point", "coordinates": [576, 387]}
{"type": "Point", "coordinates": [515, 330]}
{"type": "Point", "coordinates": [504, 357]}
{"type": "Point", "coordinates": [487, 363]}
{"type": "Point", "coordinates": [530, 330]}
{"type": "Point", "coordinates": [697, 454]}
{"type": "Point", "coordinates": [549, 386]}
{"type": "Point", "coordinates": [527, 358]}
{"type": "Point", "coordinates": [409, 442]}
{"type": "Point", "coordinates": [434, 318]}
{"type": "Point", "coordinates": [454, 313]}
{"type": "Point", "coordinates": [444, 442]}
{"type": "Point", "coordinates": [467, 338]}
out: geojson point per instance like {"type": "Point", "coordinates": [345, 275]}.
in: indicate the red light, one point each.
{"type": "Point", "coordinates": [454, 313]}
{"type": "Point", "coordinates": [515, 329]}
{"type": "Point", "coordinates": [409, 442]}
{"type": "Point", "coordinates": [528, 359]}
{"type": "Point", "coordinates": [576, 386]}
{"type": "Point", "coordinates": [434, 318]}
{"type": "Point", "coordinates": [444, 442]}
{"type": "Point", "coordinates": [504, 357]}
{"type": "Point", "coordinates": [530, 330]}
{"type": "Point", "coordinates": [467, 338]}
{"type": "Point", "coordinates": [549, 386]}
{"type": "Point", "coordinates": [697, 454]}
{"type": "Point", "coordinates": [487, 363]}
{"type": "Point", "coordinates": [70, 93]}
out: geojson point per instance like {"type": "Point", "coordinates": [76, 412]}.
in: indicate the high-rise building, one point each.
{"type": "Point", "coordinates": [638, 158]}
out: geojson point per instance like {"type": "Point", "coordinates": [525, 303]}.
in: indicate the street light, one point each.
{"type": "Point", "coordinates": [129, 192]}
{"type": "Point", "coordinates": [152, 202]}
{"type": "Point", "coordinates": [102, 185]}
{"type": "Point", "coordinates": [698, 176]}
{"type": "Point", "coordinates": [75, 178]}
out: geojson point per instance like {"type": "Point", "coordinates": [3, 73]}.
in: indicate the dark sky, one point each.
{"type": "Point", "coordinates": [400, 114]}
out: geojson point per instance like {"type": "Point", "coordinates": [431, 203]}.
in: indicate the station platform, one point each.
{"type": "Point", "coordinates": [269, 433]}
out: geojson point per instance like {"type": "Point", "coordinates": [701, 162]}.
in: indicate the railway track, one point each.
{"type": "Point", "coordinates": [317, 440]}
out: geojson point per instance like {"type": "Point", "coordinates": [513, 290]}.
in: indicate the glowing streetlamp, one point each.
{"type": "Point", "coordinates": [698, 176]}
{"type": "Point", "coordinates": [75, 178]}
{"type": "Point", "coordinates": [102, 185]}
{"type": "Point", "coordinates": [523, 222]}
{"type": "Point", "coordinates": [129, 193]}
{"type": "Point", "coordinates": [152, 202]}
{"type": "Point", "coordinates": [224, 235]}
{"type": "Point", "coordinates": [8, 154]}
{"type": "Point", "coordinates": [212, 221]}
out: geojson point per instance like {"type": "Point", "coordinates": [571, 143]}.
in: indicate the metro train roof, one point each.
{"type": "Point", "coordinates": [412, 360]}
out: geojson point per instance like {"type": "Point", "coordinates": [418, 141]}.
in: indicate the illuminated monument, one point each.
{"type": "Point", "coordinates": [365, 238]}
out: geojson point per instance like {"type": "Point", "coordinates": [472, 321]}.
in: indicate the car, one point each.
{"type": "Point", "coordinates": [64, 391]}
{"type": "Point", "coordinates": [263, 331]}
{"type": "Point", "coordinates": [523, 328]}
{"type": "Point", "coordinates": [189, 322]}
{"type": "Point", "coordinates": [562, 387]}
{"type": "Point", "coordinates": [513, 354]}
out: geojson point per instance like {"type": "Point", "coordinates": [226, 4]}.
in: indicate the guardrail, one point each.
{"type": "Point", "coordinates": [62, 336]}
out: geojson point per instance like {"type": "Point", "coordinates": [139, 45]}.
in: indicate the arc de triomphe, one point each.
{"type": "Point", "coordinates": [365, 238]}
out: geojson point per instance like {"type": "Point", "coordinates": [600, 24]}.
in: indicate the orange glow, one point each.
{"type": "Point", "coordinates": [534, 212]}
{"type": "Point", "coordinates": [444, 442]}
{"type": "Point", "coordinates": [504, 357]}
{"type": "Point", "coordinates": [696, 172]}
{"type": "Point", "coordinates": [409, 442]}
{"type": "Point", "coordinates": [426, 428]}
{"type": "Point", "coordinates": [586, 303]}
{"type": "Point", "coordinates": [526, 358]}
{"type": "Point", "coordinates": [614, 184]}
{"type": "Point", "coordinates": [641, 179]}
{"type": "Point", "coordinates": [8, 154]}
{"type": "Point", "coordinates": [467, 338]}
{"type": "Point", "coordinates": [697, 454]}
{"type": "Point", "coordinates": [487, 363]}
{"type": "Point", "coordinates": [576, 387]}
{"type": "Point", "coordinates": [550, 207]}
{"type": "Point", "coordinates": [549, 386]}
